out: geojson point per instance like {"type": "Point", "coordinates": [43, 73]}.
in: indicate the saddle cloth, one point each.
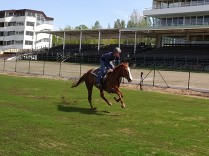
{"type": "Point", "coordinates": [96, 71]}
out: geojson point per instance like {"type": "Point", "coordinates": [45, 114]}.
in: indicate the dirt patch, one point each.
{"type": "Point", "coordinates": [184, 92]}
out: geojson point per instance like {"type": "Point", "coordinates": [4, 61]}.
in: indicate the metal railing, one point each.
{"type": "Point", "coordinates": [188, 80]}
{"type": "Point", "coordinates": [179, 4]}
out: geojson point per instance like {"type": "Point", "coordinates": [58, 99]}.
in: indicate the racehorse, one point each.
{"type": "Point", "coordinates": [111, 83]}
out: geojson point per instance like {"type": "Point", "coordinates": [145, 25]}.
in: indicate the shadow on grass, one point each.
{"type": "Point", "coordinates": [65, 108]}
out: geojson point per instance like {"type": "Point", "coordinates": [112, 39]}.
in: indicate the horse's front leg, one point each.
{"type": "Point", "coordinates": [120, 97]}
{"type": "Point", "coordinates": [103, 97]}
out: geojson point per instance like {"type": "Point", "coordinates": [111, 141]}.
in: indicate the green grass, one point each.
{"type": "Point", "coordinates": [34, 120]}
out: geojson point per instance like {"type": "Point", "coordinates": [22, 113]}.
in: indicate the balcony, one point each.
{"type": "Point", "coordinates": [171, 10]}
{"type": "Point", "coordinates": [162, 5]}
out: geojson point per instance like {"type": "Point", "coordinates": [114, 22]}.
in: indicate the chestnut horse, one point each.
{"type": "Point", "coordinates": [111, 83]}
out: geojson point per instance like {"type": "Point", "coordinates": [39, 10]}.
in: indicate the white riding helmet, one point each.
{"type": "Point", "coordinates": [117, 49]}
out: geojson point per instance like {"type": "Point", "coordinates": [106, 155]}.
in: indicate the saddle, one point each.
{"type": "Point", "coordinates": [96, 72]}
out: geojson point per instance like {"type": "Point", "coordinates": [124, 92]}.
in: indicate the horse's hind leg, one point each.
{"type": "Point", "coordinates": [89, 88]}
{"type": "Point", "coordinates": [104, 98]}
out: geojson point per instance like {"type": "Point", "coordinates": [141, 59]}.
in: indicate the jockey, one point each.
{"type": "Point", "coordinates": [106, 63]}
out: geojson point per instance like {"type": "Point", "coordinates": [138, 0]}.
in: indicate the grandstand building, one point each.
{"type": "Point", "coordinates": [18, 30]}
{"type": "Point", "coordinates": [188, 20]}
{"type": "Point", "coordinates": [178, 38]}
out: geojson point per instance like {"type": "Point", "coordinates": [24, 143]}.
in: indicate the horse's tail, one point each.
{"type": "Point", "coordinates": [81, 80]}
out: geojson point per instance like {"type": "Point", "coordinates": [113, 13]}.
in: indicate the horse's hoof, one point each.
{"type": "Point", "coordinates": [94, 108]}
{"type": "Point", "coordinates": [117, 100]}
{"type": "Point", "coordinates": [110, 104]}
{"type": "Point", "coordinates": [123, 106]}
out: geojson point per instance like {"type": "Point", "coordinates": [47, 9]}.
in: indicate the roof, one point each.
{"type": "Point", "coordinates": [130, 33]}
{"type": "Point", "coordinates": [28, 10]}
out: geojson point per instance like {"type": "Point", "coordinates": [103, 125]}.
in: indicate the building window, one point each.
{"type": "Point", "coordinates": [20, 23]}
{"type": "Point", "coordinates": [175, 21]}
{"type": "Point", "coordinates": [19, 32]}
{"type": "Point", "coordinates": [2, 15]}
{"type": "Point", "coordinates": [29, 33]}
{"type": "Point", "coordinates": [10, 33]}
{"type": "Point", "coordinates": [169, 21]}
{"type": "Point", "coordinates": [1, 33]}
{"type": "Point", "coordinates": [11, 23]}
{"type": "Point", "coordinates": [193, 20]}
{"type": "Point", "coordinates": [19, 42]}
{"type": "Point", "coordinates": [206, 2]}
{"type": "Point", "coordinates": [9, 42]}
{"type": "Point", "coordinates": [46, 30]}
{"type": "Point", "coordinates": [1, 24]}
{"type": "Point", "coordinates": [17, 14]}
{"type": "Point", "coordinates": [206, 20]}
{"type": "Point", "coordinates": [163, 22]}
{"type": "Point", "coordinates": [199, 20]}
{"type": "Point", "coordinates": [187, 21]}
{"type": "Point", "coordinates": [43, 40]}
{"type": "Point", "coordinates": [10, 14]}
{"type": "Point", "coordinates": [28, 42]}
{"type": "Point", "coordinates": [30, 14]}
{"type": "Point", "coordinates": [30, 24]}
{"type": "Point", "coordinates": [180, 21]}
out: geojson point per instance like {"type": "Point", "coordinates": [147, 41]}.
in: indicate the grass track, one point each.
{"type": "Point", "coordinates": [35, 120]}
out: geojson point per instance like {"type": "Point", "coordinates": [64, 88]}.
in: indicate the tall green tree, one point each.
{"type": "Point", "coordinates": [81, 27]}
{"type": "Point", "coordinates": [56, 40]}
{"type": "Point", "coordinates": [145, 22]}
{"type": "Point", "coordinates": [119, 24]}
{"type": "Point", "coordinates": [97, 25]}
{"type": "Point", "coordinates": [135, 19]}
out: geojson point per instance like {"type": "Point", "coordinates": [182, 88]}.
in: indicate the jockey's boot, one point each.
{"type": "Point", "coordinates": [100, 83]}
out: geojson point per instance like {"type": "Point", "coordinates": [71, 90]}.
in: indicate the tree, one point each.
{"type": "Point", "coordinates": [135, 19]}
{"type": "Point", "coordinates": [68, 27]}
{"type": "Point", "coordinates": [145, 22]}
{"type": "Point", "coordinates": [119, 24]}
{"type": "Point", "coordinates": [97, 25]}
{"type": "Point", "coordinates": [81, 27]}
{"type": "Point", "coordinates": [123, 24]}
{"type": "Point", "coordinates": [108, 26]}
{"type": "Point", "coordinates": [56, 40]}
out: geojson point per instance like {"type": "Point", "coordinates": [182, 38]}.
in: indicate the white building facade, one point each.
{"type": "Point", "coordinates": [18, 29]}
{"type": "Point", "coordinates": [183, 14]}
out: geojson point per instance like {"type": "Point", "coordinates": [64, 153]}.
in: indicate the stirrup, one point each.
{"type": "Point", "coordinates": [98, 85]}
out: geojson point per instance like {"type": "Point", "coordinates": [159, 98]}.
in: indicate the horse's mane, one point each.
{"type": "Point", "coordinates": [114, 69]}
{"type": "Point", "coordinates": [118, 66]}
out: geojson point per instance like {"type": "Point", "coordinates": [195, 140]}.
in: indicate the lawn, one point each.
{"type": "Point", "coordinates": [46, 117]}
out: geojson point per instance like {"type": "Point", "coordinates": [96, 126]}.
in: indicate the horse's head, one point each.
{"type": "Point", "coordinates": [126, 72]}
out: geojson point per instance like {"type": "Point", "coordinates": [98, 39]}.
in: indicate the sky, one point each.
{"type": "Point", "coordinates": [74, 12]}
